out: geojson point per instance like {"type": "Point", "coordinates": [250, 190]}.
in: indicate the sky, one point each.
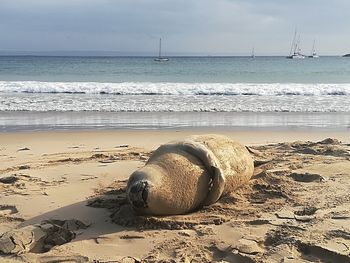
{"type": "Point", "coordinates": [197, 27]}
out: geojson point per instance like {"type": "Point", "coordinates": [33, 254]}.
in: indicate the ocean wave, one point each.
{"type": "Point", "coordinates": [205, 89]}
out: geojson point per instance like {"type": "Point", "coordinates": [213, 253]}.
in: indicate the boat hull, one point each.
{"type": "Point", "coordinates": [296, 56]}
{"type": "Point", "coordinates": [161, 59]}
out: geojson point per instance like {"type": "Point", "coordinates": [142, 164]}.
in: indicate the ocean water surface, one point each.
{"type": "Point", "coordinates": [227, 86]}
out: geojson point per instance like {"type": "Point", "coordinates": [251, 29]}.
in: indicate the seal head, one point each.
{"type": "Point", "coordinates": [138, 194]}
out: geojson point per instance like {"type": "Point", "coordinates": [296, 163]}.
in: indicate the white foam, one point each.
{"type": "Point", "coordinates": [148, 88]}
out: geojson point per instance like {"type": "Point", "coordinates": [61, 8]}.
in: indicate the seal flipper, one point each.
{"type": "Point", "coordinates": [217, 186]}
{"type": "Point", "coordinates": [210, 162]}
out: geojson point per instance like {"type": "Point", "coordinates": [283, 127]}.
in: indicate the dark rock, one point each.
{"type": "Point", "coordinates": [122, 146]}
{"type": "Point", "coordinates": [23, 167]}
{"type": "Point", "coordinates": [8, 179]}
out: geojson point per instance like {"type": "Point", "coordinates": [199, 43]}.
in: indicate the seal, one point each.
{"type": "Point", "coordinates": [184, 175]}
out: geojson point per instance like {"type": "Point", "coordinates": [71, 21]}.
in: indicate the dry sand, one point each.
{"type": "Point", "coordinates": [66, 189]}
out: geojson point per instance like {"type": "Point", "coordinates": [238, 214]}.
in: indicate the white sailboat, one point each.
{"type": "Point", "coordinates": [253, 53]}
{"type": "Point", "coordinates": [295, 50]}
{"type": "Point", "coordinates": [313, 52]}
{"type": "Point", "coordinates": [160, 58]}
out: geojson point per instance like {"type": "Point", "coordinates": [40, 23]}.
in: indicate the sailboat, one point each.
{"type": "Point", "coordinates": [313, 52]}
{"type": "Point", "coordinates": [295, 51]}
{"type": "Point", "coordinates": [160, 58]}
{"type": "Point", "coordinates": [253, 53]}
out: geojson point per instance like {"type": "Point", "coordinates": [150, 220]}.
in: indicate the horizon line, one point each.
{"type": "Point", "coordinates": [139, 53]}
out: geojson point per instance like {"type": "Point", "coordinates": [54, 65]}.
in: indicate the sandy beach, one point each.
{"type": "Point", "coordinates": [71, 184]}
{"type": "Point", "coordinates": [174, 131]}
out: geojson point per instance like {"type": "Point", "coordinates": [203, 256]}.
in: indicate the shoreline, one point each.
{"type": "Point", "coordinates": [66, 121]}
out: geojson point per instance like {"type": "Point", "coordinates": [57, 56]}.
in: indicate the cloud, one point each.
{"type": "Point", "coordinates": [207, 26]}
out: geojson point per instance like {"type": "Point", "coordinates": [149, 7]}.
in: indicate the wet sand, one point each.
{"type": "Point", "coordinates": [11, 121]}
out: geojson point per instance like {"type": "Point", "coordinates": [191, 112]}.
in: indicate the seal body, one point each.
{"type": "Point", "coordinates": [184, 175]}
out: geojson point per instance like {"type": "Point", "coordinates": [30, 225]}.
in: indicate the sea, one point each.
{"type": "Point", "coordinates": [58, 92]}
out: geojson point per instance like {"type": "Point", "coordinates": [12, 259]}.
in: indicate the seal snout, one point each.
{"type": "Point", "coordinates": [138, 194]}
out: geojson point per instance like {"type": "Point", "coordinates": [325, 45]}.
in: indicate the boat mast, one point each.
{"type": "Point", "coordinates": [160, 47]}
{"type": "Point", "coordinates": [313, 49]}
{"type": "Point", "coordinates": [297, 46]}
{"type": "Point", "coordinates": [293, 43]}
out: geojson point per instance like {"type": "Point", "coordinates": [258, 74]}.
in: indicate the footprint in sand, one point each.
{"type": "Point", "coordinates": [23, 149]}
{"type": "Point", "coordinates": [41, 237]}
{"type": "Point", "coordinates": [6, 210]}
{"type": "Point", "coordinates": [306, 214]}
{"type": "Point", "coordinates": [307, 177]}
